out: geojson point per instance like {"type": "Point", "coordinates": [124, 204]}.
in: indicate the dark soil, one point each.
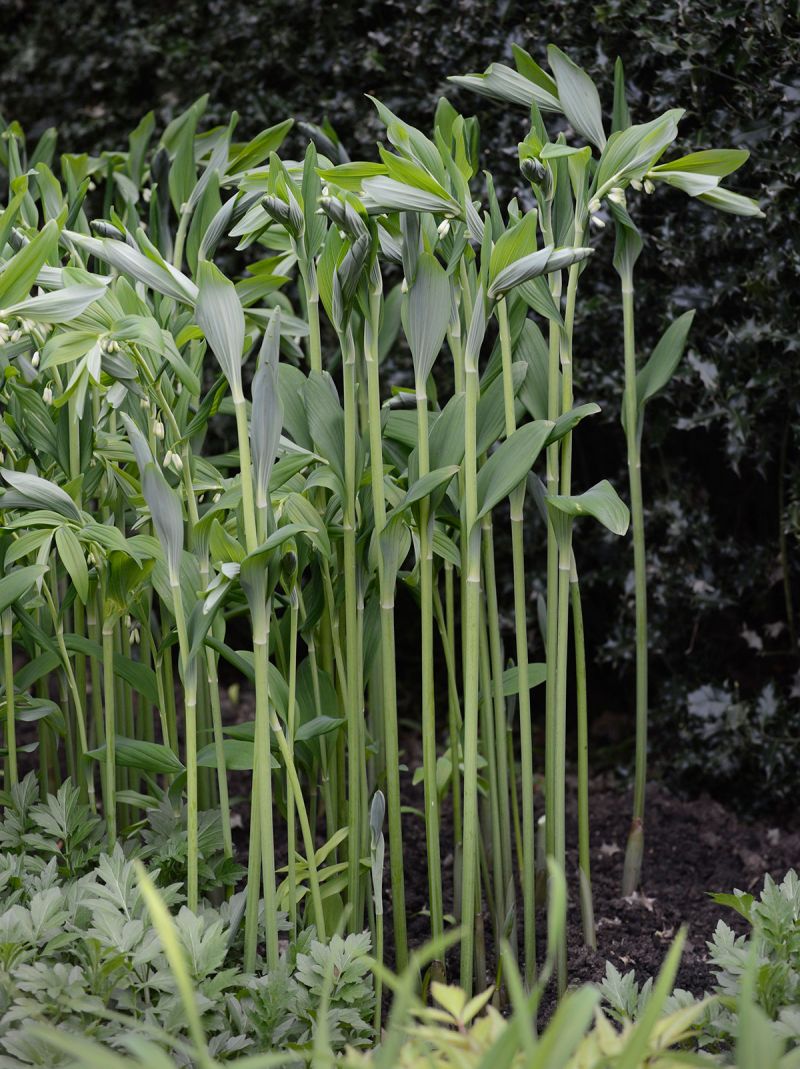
{"type": "Point", "coordinates": [692, 847]}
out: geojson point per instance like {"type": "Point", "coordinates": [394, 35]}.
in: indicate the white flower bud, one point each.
{"type": "Point", "coordinates": [597, 222]}
{"type": "Point", "coordinates": [158, 430]}
{"type": "Point", "coordinates": [168, 458]}
{"type": "Point", "coordinates": [47, 395]}
{"type": "Point", "coordinates": [594, 206]}
{"type": "Point", "coordinates": [216, 498]}
{"type": "Point", "coordinates": [177, 464]}
{"type": "Point", "coordinates": [326, 191]}
{"type": "Point", "coordinates": [134, 636]}
{"type": "Point", "coordinates": [92, 187]}
{"type": "Point", "coordinates": [35, 359]}
{"type": "Point", "coordinates": [128, 621]}
{"type": "Point", "coordinates": [617, 196]}
{"type": "Point", "coordinates": [178, 388]}
{"type": "Point", "coordinates": [443, 229]}
{"type": "Point", "coordinates": [648, 186]}
{"type": "Point", "coordinates": [404, 286]}
{"type": "Point", "coordinates": [146, 194]}
{"type": "Point", "coordinates": [144, 402]}
{"type": "Point", "coordinates": [637, 185]}
{"type": "Point", "coordinates": [16, 335]}
{"type": "Point", "coordinates": [342, 235]}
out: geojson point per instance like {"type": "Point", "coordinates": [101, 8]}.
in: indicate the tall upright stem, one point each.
{"type": "Point", "coordinates": [428, 694]}
{"type": "Point", "coordinates": [388, 665]}
{"type": "Point", "coordinates": [584, 862]}
{"type": "Point", "coordinates": [635, 848]}
{"type": "Point", "coordinates": [517, 501]}
{"type": "Point", "coordinates": [471, 640]}
{"type": "Point", "coordinates": [355, 755]}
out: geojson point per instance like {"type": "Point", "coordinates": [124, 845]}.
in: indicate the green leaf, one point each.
{"type": "Point", "coordinates": [146, 756]}
{"type": "Point", "coordinates": [666, 356]}
{"type": "Point", "coordinates": [15, 584]}
{"type": "Point", "coordinates": [715, 161]}
{"type": "Point", "coordinates": [386, 194]}
{"type": "Point", "coordinates": [167, 513]}
{"type": "Point", "coordinates": [260, 147]}
{"type": "Point", "coordinates": [219, 315]}
{"type": "Point", "coordinates": [238, 755]}
{"type": "Point", "coordinates": [509, 464]}
{"type": "Point", "coordinates": [579, 98]}
{"type": "Point", "coordinates": [503, 83]}
{"type": "Point", "coordinates": [601, 501]}
{"type": "Point", "coordinates": [19, 274]}
{"type": "Point", "coordinates": [621, 116]}
{"type": "Point", "coordinates": [319, 725]}
{"type": "Point", "coordinates": [426, 315]}
{"type": "Point", "coordinates": [131, 262]}
{"type": "Point", "coordinates": [630, 153]}
{"type": "Point", "coordinates": [725, 200]}
{"type": "Point", "coordinates": [567, 422]}
{"type": "Point", "coordinates": [69, 549]}
{"type": "Point", "coordinates": [39, 494]}
{"type": "Point", "coordinates": [425, 486]}
{"type": "Point", "coordinates": [60, 306]}
{"type": "Point", "coordinates": [537, 673]}
{"type": "Point", "coordinates": [137, 675]}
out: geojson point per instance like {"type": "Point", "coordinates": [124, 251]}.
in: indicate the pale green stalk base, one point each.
{"type": "Point", "coordinates": [584, 863]}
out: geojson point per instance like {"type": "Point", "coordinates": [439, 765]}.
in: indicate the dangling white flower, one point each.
{"type": "Point", "coordinates": [158, 430]}
{"type": "Point", "coordinates": [146, 194]}
{"type": "Point", "coordinates": [648, 186]}
{"type": "Point", "coordinates": [47, 395]}
{"type": "Point", "coordinates": [216, 498]}
{"type": "Point", "coordinates": [35, 359]}
{"type": "Point", "coordinates": [134, 636]}
{"type": "Point", "coordinates": [168, 458]}
{"type": "Point", "coordinates": [617, 196]}
{"type": "Point", "coordinates": [443, 229]}
{"type": "Point", "coordinates": [597, 222]}
{"type": "Point", "coordinates": [594, 206]}
{"type": "Point", "coordinates": [637, 185]}
{"type": "Point", "coordinates": [404, 286]}
{"type": "Point", "coordinates": [177, 464]}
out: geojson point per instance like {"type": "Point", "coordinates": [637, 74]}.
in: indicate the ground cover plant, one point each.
{"type": "Point", "coordinates": [192, 285]}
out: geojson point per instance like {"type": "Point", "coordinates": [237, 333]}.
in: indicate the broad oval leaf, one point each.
{"type": "Point", "coordinates": [219, 315]}
{"type": "Point", "coordinates": [579, 98]}
{"type": "Point", "coordinates": [601, 501]}
{"type": "Point", "coordinates": [509, 464]}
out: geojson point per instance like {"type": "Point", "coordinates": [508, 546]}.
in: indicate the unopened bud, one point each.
{"type": "Point", "coordinates": [158, 429]}
{"type": "Point", "coordinates": [35, 359]}
{"type": "Point", "coordinates": [216, 498]}
{"type": "Point", "coordinates": [648, 186]}
{"type": "Point", "coordinates": [16, 335]}
{"type": "Point", "coordinates": [168, 458]}
{"type": "Point", "coordinates": [47, 395]}
{"type": "Point", "coordinates": [617, 196]}
{"type": "Point", "coordinates": [135, 636]}
{"type": "Point", "coordinates": [326, 191]}
{"type": "Point", "coordinates": [597, 222]}
{"type": "Point", "coordinates": [146, 194]}
{"type": "Point", "coordinates": [144, 402]}
{"type": "Point", "coordinates": [637, 185]}
{"type": "Point", "coordinates": [594, 206]}
{"type": "Point", "coordinates": [443, 229]}
{"type": "Point", "coordinates": [177, 464]}
{"type": "Point", "coordinates": [404, 286]}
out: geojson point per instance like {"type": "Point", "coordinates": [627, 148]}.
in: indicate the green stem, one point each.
{"type": "Point", "coordinates": [189, 668]}
{"type": "Point", "coordinates": [528, 859]}
{"type": "Point", "coordinates": [355, 755]}
{"type": "Point", "coordinates": [110, 797]}
{"type": "Point", "coordinates": [471, 642]}
{"type": "Point", "coordinates": [635, 847]}
{"type": "Point", "coordinates": [428, 691]}
{"type": "Point", "coordinates": [584, 863]}
{"type": "Point", "coordinates": [8, 678]}
{"type": "Point", "coordinates": [388, 663]}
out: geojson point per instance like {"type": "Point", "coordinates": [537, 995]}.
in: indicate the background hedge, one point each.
{"type": "Point", "coordinates": [721, 463]}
